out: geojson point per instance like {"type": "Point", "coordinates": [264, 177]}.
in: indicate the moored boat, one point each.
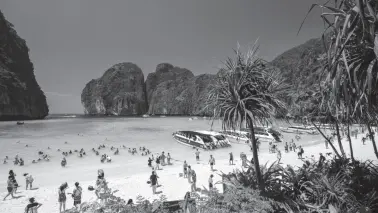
{"type": "Point", "coordinates": [201, 139]}
{"type": "Point", "coordinates": [300, 130]}
{"type": "Point", "coordinates": [20, 122]}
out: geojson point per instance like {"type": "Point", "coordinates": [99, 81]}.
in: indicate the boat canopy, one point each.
{"type": "Point", "coordinates": [206, 138]}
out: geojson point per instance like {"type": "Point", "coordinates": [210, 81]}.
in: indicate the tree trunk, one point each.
{"type": "Point", "coordinates": [329, 142]}
{"type": "Point", "coordinates": [255, 155]}
{"type": "Point", "coordinates": [371, 135]}
{"type": "Point", "coordinates": [339, 139]}
{"type": "Point", "coordinates": [350, 143]}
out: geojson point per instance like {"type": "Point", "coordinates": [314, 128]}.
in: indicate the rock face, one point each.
{"type": "Point", "coordinates": [176, 91]}
{"type": "Point", "coordinates": [120, 91]}
{"type": "Point", "coordinates": [170, 90]}
{"type": "Point", "coordinates": [165, 72]}
{"type": "Point", "coordinates": [301, 66]}
{"type": "Point", "coordinates": [21, 98]}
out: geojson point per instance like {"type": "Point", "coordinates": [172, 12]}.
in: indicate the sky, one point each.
{"type": "Point", "coordinates": [74, 41]}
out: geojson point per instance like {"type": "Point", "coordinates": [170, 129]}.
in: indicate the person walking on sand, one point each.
{"type": "Point", "coordinates": [169, 159]}
{"type": "Point", "coordinates": [231, 159]}
{"type": "Point", "coordinates": [279, 156]}
{"type": "Point", "coordinates": [185, 166]}
{"type": "Point", "coordinates": [29, 181]}
{"type": "Point", "coordinates": [211, 186]}
{"type": "Point", "coordinates": [153, 179]}
{"type": "Point", "coordinates": [197, 155]}
{"type": "Point", "coordinates": [157, 163]}
{"type": "Point", "coordinates": [62, 197]}
{"type": "Point", "coordinates": [189, 174]}
{"type": "Point", "coordinates": [212, 162]}
{"type": "Point", "coordinates": [33, 206]}
{"type": "Point", "coordinates": [10, 187]}
{"type": "Point", "coordinates": [194, 181]}
{"type": "Point", "coordinates": [76, 195]}
{"type": "Point", "coordinates": [15, 184]}
{"type": "Point", "coordinates": [162, 159]}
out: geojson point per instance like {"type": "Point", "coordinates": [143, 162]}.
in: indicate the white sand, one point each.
{"type": "Point", "coordinates": [131, 180]}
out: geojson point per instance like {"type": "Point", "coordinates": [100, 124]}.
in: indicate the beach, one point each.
{"type": "Point", "coordinates": [127, 173]}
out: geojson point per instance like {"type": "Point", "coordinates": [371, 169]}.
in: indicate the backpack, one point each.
{"type": "Point", "coordinates": [77, 193]}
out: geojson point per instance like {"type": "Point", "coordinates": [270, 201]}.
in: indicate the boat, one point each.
{"type": "Point", "coordinates": [146, 116]}
{"type": "Point", "coordinates": [263, 134]}
{"type": "Point", "coordinates": [201, 139]}
{"type": "Point", "coordinates": [20, 122]}
{"type": "Point", "coordinates": [266, 134]}
{"type": "Point", "coordinates": [236, 136]}
{"type": "Point", "coordinates": [300, 130]}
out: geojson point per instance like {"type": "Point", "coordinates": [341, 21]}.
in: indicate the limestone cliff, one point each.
{"type": "Point", "coordinates": [120, 91]}
{"type": "Point", "coordinates": [176, 91]}
{"type": "Point", "coordinates": [21, 98]}
{"type": "Point", "coordinates": [165, 72]}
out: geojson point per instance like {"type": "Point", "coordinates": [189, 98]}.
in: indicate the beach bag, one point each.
{"type": "Point", "coordinates": [90, 188]}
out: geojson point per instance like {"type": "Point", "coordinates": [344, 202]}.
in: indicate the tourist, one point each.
{"type": "Point", "coordinates": [212, 162]}
{"type": "Point", "coordinates": [286, 147]}
{"type": "Point", "coordinates": [62, 197]}
{"type": "Point", "coordinates": [185, 169]}
{"type": "Point", "coordinates": [162, 159]}
{"type": "Point", "coordinates": [153, 179]}
{"type": "Point", "coordinates": [64, 162]}
{"type": "Point", "coordinates": [231, 159]}
{"type": "Point", "coordinates": [300, 152]}
{"type": "Point", "coordinates": [33, 206]}
{"type": "Point", "coordinates": [211, 186]}
{"type": "Point", "coordinates": [169, 159]}
{"type": "Point", "coordinates": [197, 155]}
{"type": "Point", "coordinates": [279, 156]}
{"type": "Point", "coordinates": [321, 159]}
{"type": "Point", "coordinates": [15, 184]}
{"type": "Point", "coordinates": [157, 163]}
{"type": "Point", "coordinates": [10, 187]}
{"type": "Point", "coordinates": [189, 173]}
{"type": "Point", "coordinates": [194, 181]}
{"type": "Point", "coordinates": [29, 181]}
{"type": "Point", "coordinates": [21, 162]}
{"type": "Point", "coordinates": [76, 195]}
{"type": "Point", "coordinates": [149, 162]}
{"type": "Point", "coordinates": [326, 142]}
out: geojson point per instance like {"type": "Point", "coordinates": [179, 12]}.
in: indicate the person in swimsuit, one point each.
{"type": "Point", "coordinates": [212, 162]}
{"type": "Point", "coordinates": [231, 159]}
{"type": "Point", "coordinates": [15, 184]}
{"type": "Point", "coordinates": [197, 155]}
{"type": "Point", "coordinates": [62, 197]}
{"type": "Point", "coordinates": [169, 159]}
{"type": "Point", "coordinates": [10, 186]}
{"type": "Point", "coordinates": [33, 206]}
{"type": "Point", "coordinates": [211, 186]}
{"type": "Point", "coordinates": [76, 195]}
{"type": "Point", "coordinates": [185, 169]}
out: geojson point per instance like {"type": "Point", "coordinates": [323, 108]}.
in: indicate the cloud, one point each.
{"type": "Point", "coordinates": [60, 94]}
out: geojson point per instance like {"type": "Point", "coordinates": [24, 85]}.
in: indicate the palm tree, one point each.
{"type": "Point", "coordinates": [351, 42]}
{"type": "Point", "coordinates": [247, 91]}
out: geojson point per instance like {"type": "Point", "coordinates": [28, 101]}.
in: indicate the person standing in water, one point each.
{"type": "Point", "coordinates": [212, 162]}
{"type": "Point", "coordinates": [197, 155]}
